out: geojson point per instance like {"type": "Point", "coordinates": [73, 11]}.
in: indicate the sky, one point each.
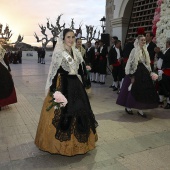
{"type": "Point", "coordinates": [23, 16]}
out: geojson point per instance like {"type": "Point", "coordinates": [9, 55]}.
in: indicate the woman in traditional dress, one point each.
{"type": "Point", "coordinates": [138, 89]}
{"type": "Point", "coordinates": [72, 129]}
{"type": "Point", "coordinates": [81, 48]}
{"type": "Point", "coordinates": [7, 90]}
{"type": "Point", "coordinates": [83, 53]}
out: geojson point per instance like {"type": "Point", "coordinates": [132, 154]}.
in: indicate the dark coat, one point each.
{"type": "Point", "coordinates": [127, 49]}
{"type": "Point", "coordinates": [6, 60]}
{"type": "Point", "coordinates": [151, 51]}
{"type": "Point", "coordinates": [103, 53]}
{"type": "Point", "coordinates": [90, 55]}
{"type": "Point", "coordinates": [102, 60]}
{"type": "Point", "coordinates": [113, 55]}
{"type": "Point", "coordinates": [166, 59]}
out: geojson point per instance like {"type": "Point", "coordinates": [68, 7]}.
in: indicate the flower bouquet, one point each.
{"type": "Point", "coordinates": [58, 101]}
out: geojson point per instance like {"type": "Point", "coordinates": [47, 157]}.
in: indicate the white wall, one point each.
{"type": "Point", "coordinates": [117, 31]}
{"type": "Point", "coordinates": [33, 54]}
{"type": "Point", "coordinates": [118, 4]}
{"type": "Point", "coordinates": [120, 21]}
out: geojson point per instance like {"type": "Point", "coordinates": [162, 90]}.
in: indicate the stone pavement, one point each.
{"type": "Point", "coordinates": [125, 142]}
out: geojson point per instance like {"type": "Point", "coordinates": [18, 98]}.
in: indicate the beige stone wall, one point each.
{"type": "Point", "coordinates": [109, 15]}
{"type": "Point", "coordinates": [117, 17]}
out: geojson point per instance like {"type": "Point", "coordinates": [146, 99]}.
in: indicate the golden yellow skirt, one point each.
{"type": "Point", "coordinates": [45, 137]}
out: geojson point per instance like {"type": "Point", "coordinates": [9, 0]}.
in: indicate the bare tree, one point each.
{"type": "Point", "coordinates": [91, 33]}
{"type": "Point", "coordinates": [5, 35]}
{"type": "Point", "coordinates": [78, 33]}
{"type": "Point", "coordinates": [45, 39]}
{"type": "Point", "coordinates": [19, 39]}
{"type": "Point", "coordinates": [57, 28]}
{"type": "Point", "coordinates": [18, 43]}
{"type": "Point", "coordinates": [55, 31]}
{"type": "Point", "coordinates": [72, 24]}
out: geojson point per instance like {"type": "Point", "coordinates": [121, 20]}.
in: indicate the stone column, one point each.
{"type": "Point", "coordinates": [109, 15]}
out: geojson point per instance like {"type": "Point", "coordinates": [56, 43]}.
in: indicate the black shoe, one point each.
{"type": "Point", "coordinates": [115, 89]}
{"type": "Point", "coordinates": [167, 106]}
{"type": "Point", "coordinates": [0, 108]}
{"type": "Point", "coordinates": [102, 83]}
{"type": "Point", "coordinates": [161, 103]}
{"type": "Point", "coordinates": [94, 81]}
{"type": "Point", "coordinates": [111, 86]}
{"type": "Point", "coordinates": [129, 112]}
{"type": "Point", "coordinates": [144, 115]}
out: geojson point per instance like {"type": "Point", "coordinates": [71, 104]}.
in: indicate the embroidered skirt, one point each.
{"type": "Point", "coordinates": [71, 130]}
{"type": "Point", "coordinates": [142, 95]}
{"type": "Point", "coordinates": [7, 90]}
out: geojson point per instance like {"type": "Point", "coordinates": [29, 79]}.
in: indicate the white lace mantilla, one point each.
{"type": "Point", "coordinates": [63, 59]}
{"type": "Point", "coordinates": [137, 55]}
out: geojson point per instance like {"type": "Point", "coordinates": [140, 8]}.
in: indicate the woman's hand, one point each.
{"type": "Point", "coordinates": [120, 59]}
{"type": "Point", "coordinates": [132, 80]}
{"type": "Point", "coordinates": [97, 53]}
{"type": "Point", "coordinates": [111, 67]}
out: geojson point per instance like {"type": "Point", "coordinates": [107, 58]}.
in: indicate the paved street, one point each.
{"type": "Point", "coordinates": [125, 142]}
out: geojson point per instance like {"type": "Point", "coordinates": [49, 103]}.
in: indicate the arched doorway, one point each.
{"type": "Point", "coordinates": [122, 14]}
{"type": "Point", "coordinates": [125, 14]}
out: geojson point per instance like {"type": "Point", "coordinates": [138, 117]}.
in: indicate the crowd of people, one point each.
{"type": "Point", "coordinates": [69, 128]}
{"type": "Point", "coordinates": [96, 57]}
{"type": "Point", "coordinates": [14, 57]}
{"type": "Point", "coordinates": [117, 61]}
{"type": "Point", "coordinates": [41, 55]}
{"type": "Point", "coordinates": [143, 90]}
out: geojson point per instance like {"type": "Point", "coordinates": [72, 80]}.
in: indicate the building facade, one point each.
{"type": "Point", "coordinates": [118, 14]}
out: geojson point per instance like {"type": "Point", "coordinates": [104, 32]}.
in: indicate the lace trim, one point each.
{"type": "Point", "coordinates": [134, 58]}
{"type": "Point", "coordinates": [58, 59]}
{"type": "Point", "coordinates": [76, 122]}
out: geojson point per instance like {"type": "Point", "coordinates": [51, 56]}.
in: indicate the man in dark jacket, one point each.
{"type": "Point", "coordinates": [39, 55]}
{"type": "Point", "coordinates": [89, 54]}
{"type": "Point", "coordinates": [113, 40]}
{"type": "Point", "coordinates": [102, 58]}
{"type": "Point", "coordinates": [126, 52]}
{"type": "Point", "coordinates": [43, 56]}
{"type": "Point", "coordinates": [90, 57]}
{"type": "Point", "coordinates": [165, 82]}
{"type": "Point", "coordinates": [150, 47]}
{"type": "Point", "coordinates": [115, 62]}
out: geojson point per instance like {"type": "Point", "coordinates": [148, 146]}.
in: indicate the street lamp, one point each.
{"type": "Point", "coordinates": [103, 23]}
{"type": "Point", "coordinates": [105, 37]}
